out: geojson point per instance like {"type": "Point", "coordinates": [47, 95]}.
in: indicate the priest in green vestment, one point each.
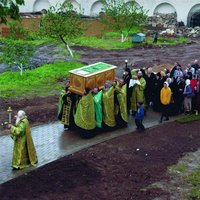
{"type": "Point", "coordinates": [66, 108]}
{"type": "Point", "coordinates": [24, 153]}
{"type": "Point", "coordinates": [85, 113]}
{"type": "Point", "coordinates": [109, 106]}
{"type": "Point", "coordinates": [138, 92]}
{"type": "Point", "coordinates": [97, 96]}
{"type": "Point", "coordinates": [121, 103]}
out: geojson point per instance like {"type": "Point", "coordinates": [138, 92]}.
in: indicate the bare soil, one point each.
{"type": "Point", "coordinates": [120, 169]}
{"type": "Point", "coordinates": [115, 169]}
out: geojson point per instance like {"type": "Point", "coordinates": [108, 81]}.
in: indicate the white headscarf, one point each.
{"type": "Point", "coordinates": [187, 82]}
{"type": "Point", "coordinates": [166, 83]}
{"type": "Point", "coordinates": [169, 80]}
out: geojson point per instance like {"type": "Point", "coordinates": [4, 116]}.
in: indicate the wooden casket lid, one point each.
{"type": "Point", "coordinates": [91, 70]}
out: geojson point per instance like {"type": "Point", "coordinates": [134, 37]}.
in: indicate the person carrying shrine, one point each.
{"type": "Point", "coordinates": [121, 105]}
{"type": "Point", "coordinates": [85, 115]}
{"type": "Point", "coordinates": [24, 153]}
{"type": "Point", "coordinates": [109, 121]}
{"type": "Point", "coordinates": [66, 108]}
{"type": "Point", "coordinates": [97, 96]}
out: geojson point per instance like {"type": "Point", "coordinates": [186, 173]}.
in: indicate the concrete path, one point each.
{"type": "Point", "coordinates": [52, 142]}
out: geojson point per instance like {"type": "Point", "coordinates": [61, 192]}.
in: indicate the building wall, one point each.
{"type": "Point", "coordinates": [184, 8]}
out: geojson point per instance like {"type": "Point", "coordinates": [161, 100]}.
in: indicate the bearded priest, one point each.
{"type": "Point", "coordinates": [24, 153]}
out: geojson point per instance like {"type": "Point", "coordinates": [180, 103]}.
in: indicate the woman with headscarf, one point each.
{"type": "Point", "coordinates": [165, 98]}
{"type": "Point", "coordinates": [174, 104]}
{"type": "Point", "coordinates": [188, 97]}
{"type": "Point", "coordinates": [198, 95]}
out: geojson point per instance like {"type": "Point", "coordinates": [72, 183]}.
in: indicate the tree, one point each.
{"type": "Point", "coordinates": [62, 23]}
{"type": "Point", "coordinates": [9, 8]}
{"type": "Point", "coordinates": [16, 54]}
{"type": "Point", "coordinates": [123, 16]}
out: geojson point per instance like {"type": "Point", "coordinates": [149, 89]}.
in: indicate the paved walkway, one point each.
{"type": "Point", "coordinates": [52, 142]}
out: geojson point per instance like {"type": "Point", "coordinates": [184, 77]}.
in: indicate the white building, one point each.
{"type": "Point", "coordinates": [187, 11]}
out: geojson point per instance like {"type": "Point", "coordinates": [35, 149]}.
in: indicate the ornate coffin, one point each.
{"type": "Point", "coordinates": [91, 76]}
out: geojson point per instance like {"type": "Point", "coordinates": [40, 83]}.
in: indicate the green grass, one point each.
{"type": "Point", "coordinates": [194, 179]}
{"type": "Point", "coordinates": [114, 42]}
{"type": "Point", "coordinates": [34, 42]}
{"type": "Point", "coordinates": [65, 52]}
{"type": "Point", "coordinates": [45, 80]}
{"type": "Point", "coordinates": [169, 41]}
{"type": "Point", "coordinates": [118, 35]}
{"type": "Point", "coordinates": [178, 168]}
{"type": "Point", "coordinates": [103, 43]}
{"type": "Point", "coordinates": [188, 118]}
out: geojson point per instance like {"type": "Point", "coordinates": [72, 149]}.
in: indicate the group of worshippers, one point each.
{"type": "Point", "coordinates": [97, 109]}
{"type": "Point", "coordinates": [170, 92]}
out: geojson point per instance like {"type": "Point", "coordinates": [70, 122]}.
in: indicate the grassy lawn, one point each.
{"type": "Point", "coordinates": [169, 40]}
{"type": "Point", "coordinates": [115, 42]}
{"type": "Point", "coordinates": [188, 118]}
{"type": "Point", "coordinates": [178, 168]}
{"type": "Point", "coordinates": [103, 43]}
{"type": "Point", "coordinates": [34, 42]}
{"type": "Point", "coordinates": [45, 80]}
{"type": "Point", "coordinates": [194, 179]}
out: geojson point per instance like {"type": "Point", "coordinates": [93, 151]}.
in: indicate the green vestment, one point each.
{"type": "Point", "coordinates": [138, 94]}
{"type": "Point", "coordinates": [98, 108]}
{"type": "Point", "coordinates": [24, 153]}
{"type": "Point", "coordinates": [85, 113]}
{"type": "Point", "coordinates": [122, 98]}
{"type": "Point", "coordinates": [60, 103]}
{"type": "Point", "coordinates": [108, 107]}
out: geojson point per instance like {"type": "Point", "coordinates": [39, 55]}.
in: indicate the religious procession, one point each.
{"type": "Point", "coordinates": [105, 102]}
{"type": "Point", "coordinates": [95, 101]}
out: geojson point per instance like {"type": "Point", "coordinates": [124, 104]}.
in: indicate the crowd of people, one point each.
{"type": "Point", "coordinates": [170, 92]}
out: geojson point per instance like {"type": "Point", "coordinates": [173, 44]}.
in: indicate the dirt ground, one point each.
{"type": "Point", "coordinates": [113, 169]}
{"type": "Point", "coordinates": [119, 169]}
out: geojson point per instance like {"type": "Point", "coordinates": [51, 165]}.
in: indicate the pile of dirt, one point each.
{"type": "Point", "coordinates": [162, 67]}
